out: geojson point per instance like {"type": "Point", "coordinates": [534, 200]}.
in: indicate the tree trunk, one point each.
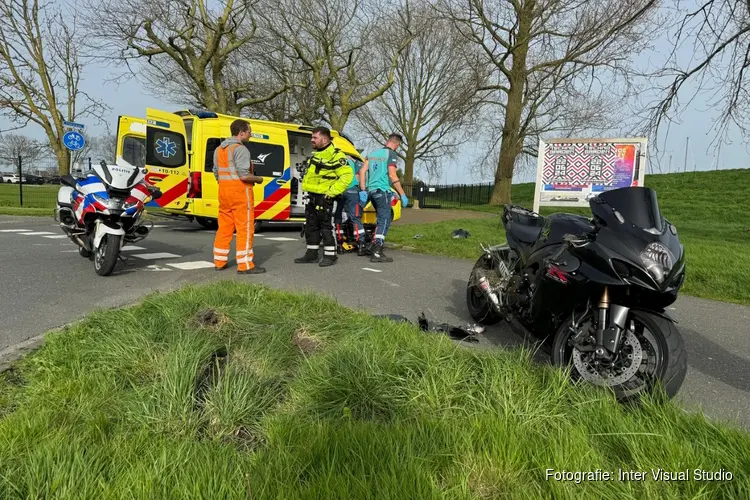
{"type": "Point", "coordinates": [408, 172]}
{"type": "Point", "coordinates": [63, 160]}
{"type": "Point", "coordinates": [511, 143]}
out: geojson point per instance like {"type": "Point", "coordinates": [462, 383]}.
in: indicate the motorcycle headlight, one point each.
{"type": "Point", "coordinates": [111, 203]}
{"type": "Point", "coordinates": [658, 261]}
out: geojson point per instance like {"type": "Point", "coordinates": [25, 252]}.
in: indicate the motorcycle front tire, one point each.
{"type": "Point", "coordinates": [671, 354]}
{"type": "Point", "coordinates": [105, 257]}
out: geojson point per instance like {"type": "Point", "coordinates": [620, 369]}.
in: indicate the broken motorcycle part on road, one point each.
{"type": "Point", "coordinates": [466, 334]}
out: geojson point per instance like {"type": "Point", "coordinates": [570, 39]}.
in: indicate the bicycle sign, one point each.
{"type": "Point", "coordinates": [73, 140]}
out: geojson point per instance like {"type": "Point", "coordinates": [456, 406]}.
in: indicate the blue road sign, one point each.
{"type": "Point", "coordinates": [73, 140]}
{"type": "Point", "coordinates": [74, 125]}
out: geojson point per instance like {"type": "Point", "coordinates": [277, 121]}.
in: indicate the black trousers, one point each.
{"type": "Point", "coordinates": [319, 224]}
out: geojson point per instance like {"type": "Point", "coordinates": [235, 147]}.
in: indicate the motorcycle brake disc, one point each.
{"type": "Point", "coordinates": [590, 374]}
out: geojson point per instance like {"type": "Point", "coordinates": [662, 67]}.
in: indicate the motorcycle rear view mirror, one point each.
{"type": "Point", "coordinates": [68, 180]}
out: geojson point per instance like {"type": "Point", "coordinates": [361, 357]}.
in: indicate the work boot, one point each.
{"type": "Point", "coordinates": [361, 248]}
{"type": "Point", "coordinates": [340, 247]}
{"type": "Point", "coordinates": [378, 255]}
{"type": "Point", "coordinates": [328, 260]}
{"type": "Point", "coordinates": [310, 257]}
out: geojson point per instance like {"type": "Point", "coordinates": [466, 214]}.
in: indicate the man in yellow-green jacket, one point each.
{"type": "Point", "coordinates": [328, 175]}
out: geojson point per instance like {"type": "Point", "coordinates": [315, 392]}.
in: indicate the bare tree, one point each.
{"type": "Point", "coordinates": [14, 145]}
{"type": "Point", "coordinates": [40, 71]}
{"type": "Point", "coordinates": [98, 148]}
{"type": "Point", "coordinates": [547, 54]}
{"type": "Point", "coordinates": [192, 52]}
{"type": "Point", "coordinates": [434, 96]}
{"type": "Point", "coordinates": [350, 52]}
{"type": "Point", "coordinates": [717, 34]}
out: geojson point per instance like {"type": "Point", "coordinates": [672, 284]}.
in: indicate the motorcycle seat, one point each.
{"type": "Point", "coordinates": [525, 233]}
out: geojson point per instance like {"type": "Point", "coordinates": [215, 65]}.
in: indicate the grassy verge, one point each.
{"type": "Point", "coordinates": [709, 209]}
{"type": "Point", "coordinates": [31, 212]}
{"type": "Point", "coordinates": [166, 401]}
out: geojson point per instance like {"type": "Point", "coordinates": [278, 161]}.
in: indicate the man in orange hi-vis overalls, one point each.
{"type": "Point", "coordinates": [233, 169]}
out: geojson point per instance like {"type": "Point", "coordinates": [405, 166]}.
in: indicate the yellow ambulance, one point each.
{"type": "Point", "coordinates": [177, 148]}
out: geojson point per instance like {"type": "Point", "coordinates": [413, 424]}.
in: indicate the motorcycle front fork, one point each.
{"type": "Point", "coordinates": [609, 328]}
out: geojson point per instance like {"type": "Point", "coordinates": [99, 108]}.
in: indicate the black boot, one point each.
{"type": "Point", "coordinates": [378, 255]}
{"type": "Point", "coordinates": [361, 248]}
{"type": "Point", "coordinates": [328, 260]}
{"type": "Point", "coordinates": [340, 247]}
{"type": "Point", "coordinates": [310, 257]}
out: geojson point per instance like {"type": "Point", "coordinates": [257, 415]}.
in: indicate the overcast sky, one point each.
{"type": "Point", "coordinates": [696, 123]}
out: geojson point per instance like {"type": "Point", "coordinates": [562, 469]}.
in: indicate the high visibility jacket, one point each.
{"type": "Point", "coordinates": [231, 160]}
{"type": "Point", "coordinates": [328, 172]}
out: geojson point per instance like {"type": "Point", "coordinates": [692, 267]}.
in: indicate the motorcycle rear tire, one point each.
{"type": "Point", "coordinates": [477, 303]}
{"type": "Point", "coordinates": [104, 262]}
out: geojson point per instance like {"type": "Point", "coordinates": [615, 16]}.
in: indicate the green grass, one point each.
{"type": "Point", "coordinates": [34, 196]}
{"type": "Point", "coordinates": [293, 396]}
{"type": "Point", "coordinates": [710, 210]}
{"type": "Point", "coordinates": [30, 212]}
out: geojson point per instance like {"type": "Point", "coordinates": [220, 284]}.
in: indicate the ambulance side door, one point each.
{"type": "Point", "coordinates": [269, 151]}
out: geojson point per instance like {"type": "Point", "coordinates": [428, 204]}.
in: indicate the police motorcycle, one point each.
{"type": "Point", "coordinates": [101, 212]}
{"type": "Point", "coordinates": [594, 289]}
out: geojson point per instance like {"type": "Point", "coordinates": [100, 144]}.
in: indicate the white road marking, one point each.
{"type": "Point", "coordinates": [68, 251]}
{"type": "Point", "coordinates": [154, 267]}
{"type": "Point", "coordinates": [57, 237]}
{"type": "Point", "coordinates": [372, 270]}
{"type": "Point", "coordinates": [281, 238]}
{"type": "Point", "coordinates": [158, 226]}
{"type": "Point", "coordinates": [132, 247]}
{"type": "Point", "coordinates": [15, 230]}
{"type": "Point", "coordinates": [37, 233]}
{"type": "Point", "coordinates": [189, 266]}
{"type": "Point", "coordinates": [388, 282]}
{"type": "Point", "coordinates": [158, 255]}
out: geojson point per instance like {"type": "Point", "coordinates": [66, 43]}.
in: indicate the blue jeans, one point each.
{"type": "Point", "coordinates": [381, 200]}
{"type": "Point", "coordinates": [354, 211]}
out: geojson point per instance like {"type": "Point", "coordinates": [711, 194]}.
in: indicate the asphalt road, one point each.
{"type": "Point", "coordinates": [44, 284]}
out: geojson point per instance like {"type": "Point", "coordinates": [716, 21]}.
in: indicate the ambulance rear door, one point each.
{"type": "Point", "coordinates": [167, 158]}
{"type": "Point", "coordinates": [131, 140]}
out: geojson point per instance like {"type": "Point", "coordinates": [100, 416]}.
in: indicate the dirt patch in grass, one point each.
{"type": "Point", "coordinates": [307, 343]}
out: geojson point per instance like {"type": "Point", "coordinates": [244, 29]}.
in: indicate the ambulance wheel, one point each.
{"type": "Point", "coordinates": [258, 226]}
{"type": "Point", "coordinates": [207, 223]}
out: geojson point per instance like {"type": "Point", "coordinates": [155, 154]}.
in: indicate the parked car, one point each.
{"type": "Point", "coordinates": [55, 179]}
{"type": "Point", "coordinates": [33, 179]}
{"type": "Point", "coordinates": [13, 179]}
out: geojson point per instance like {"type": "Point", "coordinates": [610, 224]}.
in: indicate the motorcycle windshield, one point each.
{"type": "Point", "coordinates": [637, 205]}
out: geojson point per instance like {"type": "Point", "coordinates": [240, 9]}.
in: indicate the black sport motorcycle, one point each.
{"type": "Point", "coordinates": [596, 289]}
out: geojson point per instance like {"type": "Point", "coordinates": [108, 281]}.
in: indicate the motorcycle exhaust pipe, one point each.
{"type": "Point", "coordinates": [484, 285]}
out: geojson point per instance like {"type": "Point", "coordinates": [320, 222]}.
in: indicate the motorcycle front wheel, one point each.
{"type": "Point", "coordinates": [105, 256]}
{"type": "Point", "coordinates": [652, 352]}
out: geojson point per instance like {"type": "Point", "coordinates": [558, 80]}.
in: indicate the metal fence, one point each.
{"type": "Point", "coordinates": [449, 195]}
{"type": "Point", "coordinates": [30, 183]}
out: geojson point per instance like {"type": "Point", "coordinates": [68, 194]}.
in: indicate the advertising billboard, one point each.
{"type": "Point", "coordinates": [572, 171]}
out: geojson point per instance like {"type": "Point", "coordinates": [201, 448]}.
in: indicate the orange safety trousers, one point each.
{"type": "Point", "coordinates": [236, 213]}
